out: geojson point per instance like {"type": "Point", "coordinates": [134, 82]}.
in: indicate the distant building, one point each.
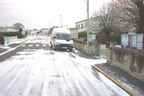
{"type": "Point", "coordinates": [8, 29]}
{"type": "Point", "coordinates": [91, 26]}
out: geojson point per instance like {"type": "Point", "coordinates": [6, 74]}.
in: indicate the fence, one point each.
{"type": "Point", "coordinates": [92, 49]}
{"type": "Point", "coordinates": [130, 60]}
{"type": "Point", "coordinates": [10, 39]}
{"type": "Point", "coordinates": [82, 46]}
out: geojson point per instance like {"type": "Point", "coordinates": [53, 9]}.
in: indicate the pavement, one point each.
{"type": "Point", "coordinates": [12, 44]}
{"type": "Point", "coordinates": [122, 78]}
{"type": "Point", "coordinates": [37, 70]}
{"type": "Point", "coordinates": [2, 50]}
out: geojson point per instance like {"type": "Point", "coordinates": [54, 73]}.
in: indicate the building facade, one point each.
{"type": "Point", "coordinates": [91, 26]}
{"type": "Point", "coordinates": [81, 26]}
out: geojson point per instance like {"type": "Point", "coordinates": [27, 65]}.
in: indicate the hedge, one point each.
{"type": "Point", "coordinates": [9, 33]}
{"type": "Point", "coordinates": [82, 34]}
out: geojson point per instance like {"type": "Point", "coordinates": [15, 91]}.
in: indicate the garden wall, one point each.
{"type": "Point", "coordinates": [130, 60]}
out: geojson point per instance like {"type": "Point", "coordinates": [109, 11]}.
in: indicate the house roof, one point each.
{"type": "Point", "coordinates": [92, 18]}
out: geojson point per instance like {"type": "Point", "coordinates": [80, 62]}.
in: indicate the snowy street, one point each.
{"type": "Point", "coordinates": [37, 70]}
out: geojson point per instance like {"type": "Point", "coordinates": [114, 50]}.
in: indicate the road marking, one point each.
{"type": "Point", "coordinates": [12, 49]}
{"type": "Point", "coordinates": [37, 45]}
{"type": "Point", "coordinates": [30, 45]}
{"type": "Point", "coordinates": [23, 45]}
{"type": "Point", "coordinates": [44, 45]}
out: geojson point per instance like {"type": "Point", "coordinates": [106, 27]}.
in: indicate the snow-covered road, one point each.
{"type": "Point", "coordinates": [38, 71]}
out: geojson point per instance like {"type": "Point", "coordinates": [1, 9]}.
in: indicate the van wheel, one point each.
{"type": "Point", "coordinates": [55, 49]}
{"type": "Point", "coordinates": [70, 50]}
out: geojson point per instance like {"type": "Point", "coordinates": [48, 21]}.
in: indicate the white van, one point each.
{"type": "Point", "coordinates": [61, 39]}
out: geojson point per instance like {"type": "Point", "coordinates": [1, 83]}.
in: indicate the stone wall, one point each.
{"type": "Point", "coordinates": [9, 39]}
{"type": "Point", "coordinates": [89, 50]}
{"type": "Point", "coordinates": [130, 60]}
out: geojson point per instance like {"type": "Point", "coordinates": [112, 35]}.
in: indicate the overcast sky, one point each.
{"type": "Point", "coordinates": [45, 13]}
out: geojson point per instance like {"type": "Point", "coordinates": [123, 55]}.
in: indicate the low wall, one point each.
{"type": "Point", "coordinates": [88, 50]}
{"type": "Point", "coordinates": [130, 60]}
{"type": "Point", "coordinates": [9, 39]}
{"type": "Point", "coordinates": [92, 50]}
{"type": "Point", "coordinates": [7, 54]}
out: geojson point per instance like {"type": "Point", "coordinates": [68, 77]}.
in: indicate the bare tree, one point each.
{"type": "Point", "coordinates": [132, 12]}
{"type": "Point", "coordinates": [106, 22]}
{"type": "Point", "coordinates": [132, 18]}
{"type": "Point", "coordinates": [122, 16]}
{"type": "Point", "coordinates": [20, 27]}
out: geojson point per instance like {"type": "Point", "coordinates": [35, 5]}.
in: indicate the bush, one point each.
{"type": "Point", "coordinates": [82, 34]}
{"type": "Point", "coordinates": [19, 35]}
{"type": "Point", "coordinates": [9, 33]}
{"type": "Point", "coordinates": [116, 38]}
{"type": "Point", "coordinates": [136, 63]}
{"type": "Point", "coordinates": [1, 39]}
{"type": "Point", "coordinates": [101, 38]}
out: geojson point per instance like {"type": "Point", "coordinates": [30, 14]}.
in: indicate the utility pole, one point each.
{"type": "Point", "coordinates": [61, 20]}
{"type": "Point", "coordinates": [87, 22]}
{"type": "Point", "coordinates": [87, 9]}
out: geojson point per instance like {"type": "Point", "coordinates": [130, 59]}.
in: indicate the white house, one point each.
{"type": "Point", "coordinates": [91, 26]}
{"type": "Point", "coordinates": [81, 26]}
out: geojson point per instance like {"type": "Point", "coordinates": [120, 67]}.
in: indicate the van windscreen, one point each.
{"type": "Point", "coordinates": [63, 36]}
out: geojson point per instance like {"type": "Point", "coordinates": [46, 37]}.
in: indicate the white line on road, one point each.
{"type": "Point", "coordinates": [37, 45]}
{"type": "Point", "coordinates": [30, 45]}
{"type": "Point", "coordinates": [12, 49]}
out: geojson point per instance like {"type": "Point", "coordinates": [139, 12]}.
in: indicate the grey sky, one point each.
{"type": "Point", "coordinates": [45, 13]}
